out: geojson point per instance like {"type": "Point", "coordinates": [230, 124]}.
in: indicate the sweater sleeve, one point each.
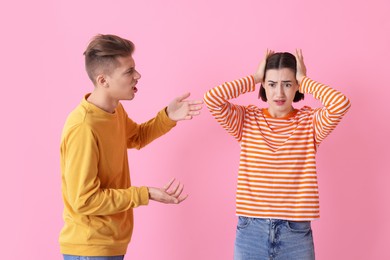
{"type": "Point", "coordinates": [81, 183]}
{"type": "Point", "coordinates": [139, 135]}
{"type": "Point", "coordinates": [230, 116]}
{"type": "Point", "coordinates": [335, 106]}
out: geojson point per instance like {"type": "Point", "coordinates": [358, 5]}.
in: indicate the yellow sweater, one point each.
{"type": "Point", "coordinates": [96, 188]}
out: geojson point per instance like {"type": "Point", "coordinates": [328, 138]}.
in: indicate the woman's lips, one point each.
{"type": "Point", "coordinates": [135, 89]}
{"type": "Point", "coordinates": [280, 102]}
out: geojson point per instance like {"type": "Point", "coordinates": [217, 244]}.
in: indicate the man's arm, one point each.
{"type": "Point", "coordinates": [179, 109]}
{"type": "Point", "coordinates": [81, 185]}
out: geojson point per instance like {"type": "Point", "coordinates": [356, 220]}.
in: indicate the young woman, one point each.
{"type": "Point", "coordinates": [277, 192]}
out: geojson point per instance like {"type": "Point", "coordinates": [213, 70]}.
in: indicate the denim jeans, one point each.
{"type": "Point", "coordinates": [273, 239]}
{"type": "Point", "coordinates": [75, 257]}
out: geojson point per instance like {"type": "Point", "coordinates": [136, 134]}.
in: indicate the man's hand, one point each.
{"type": "Point", "coordinates": [301, 68]}
{"type": "Point", "coordinates": [259, 74]}
{"type": "Point", "coordinates": [167, 194]}
{"type": "Point", "coordinates": [181, 109]}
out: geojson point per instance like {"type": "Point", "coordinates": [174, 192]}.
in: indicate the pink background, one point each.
{"type": "Point", "coordinates": [194, 45]}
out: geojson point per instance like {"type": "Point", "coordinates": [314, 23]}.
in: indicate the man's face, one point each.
{"type": "Point", "coordinates": [123, 79]}
{"type": "Point", "coordinates": [280, 87]}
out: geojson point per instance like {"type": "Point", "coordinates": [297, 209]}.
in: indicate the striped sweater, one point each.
{"type": "Point", "coordinates": [277, 172]}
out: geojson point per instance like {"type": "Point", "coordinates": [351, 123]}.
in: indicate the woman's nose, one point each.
{"type": "Point", "coordinates": [280, 91]}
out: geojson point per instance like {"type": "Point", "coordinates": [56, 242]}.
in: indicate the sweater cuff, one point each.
{"type": "Point", "coordinates": [144, 195]}
{"type": "Point", "coordinates": [165, 118]}
{"type": "Point", "coordinates": [252, 85]}
{"type": "Point", "coordinates": [304, 85]}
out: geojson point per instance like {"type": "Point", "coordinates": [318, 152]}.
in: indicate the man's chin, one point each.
{"type": "Point", "coordinates": [129, 97]}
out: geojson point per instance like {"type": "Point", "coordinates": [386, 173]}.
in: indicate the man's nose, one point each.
{"type": "Point", "coordinates": [137, 75]}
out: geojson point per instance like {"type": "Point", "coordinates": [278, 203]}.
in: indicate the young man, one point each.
{"type": "Point", "coordinates": [96, 187]}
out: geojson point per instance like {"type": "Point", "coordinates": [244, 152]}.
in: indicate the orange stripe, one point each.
{"type": "Point", "coordinates": [306, 193]}
{"type": "Point", "coordinates": [284, 158]}
{"type": "Point", "coordinates": [280, 197]}
{"type": "Point", "coordinates": [286, 211]}
{"type": "Point", "coordinates": [279, 182]}
{"type": "Point", "coordinates": [279, 163]}
{"type": "Point", "coordinates": [285, 193]}
{"type": "Point", "coordinates": [278, 187]}
{"type": "Point", "coordinates": [270, 207]}
{"type": "Point", "coordinates": [278, 168]}
{"type": "Point", "coordinates": [279, 202]}
{"type": "Point", "coordinates": [280, 177]}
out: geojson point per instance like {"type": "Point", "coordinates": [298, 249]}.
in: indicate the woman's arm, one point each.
{"type": "Point", "coordinates": [229, 115]}
{"type": "Point", "coordinates": [335, 106]}
{"type": "Point", "coordinates": [335, 103]}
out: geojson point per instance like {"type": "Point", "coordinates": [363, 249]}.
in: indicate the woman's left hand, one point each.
{"type": "Point", "coordinates": [301, 68]}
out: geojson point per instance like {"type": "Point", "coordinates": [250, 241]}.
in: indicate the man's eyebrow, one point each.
{"type": "Point", "coordinates": [129, 69]}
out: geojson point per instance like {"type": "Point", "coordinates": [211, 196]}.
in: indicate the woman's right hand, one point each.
{"type": "Point", "coordinates": [259, 74]}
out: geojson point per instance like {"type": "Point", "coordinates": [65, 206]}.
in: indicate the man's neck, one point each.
{"type": "Point", "coordinates": [102, 101]}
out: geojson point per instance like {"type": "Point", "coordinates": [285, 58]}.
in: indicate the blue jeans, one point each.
{"type": "Point", "coordinates": [75, 257]}
{"type": "Point", "coordinates": [273, 239]}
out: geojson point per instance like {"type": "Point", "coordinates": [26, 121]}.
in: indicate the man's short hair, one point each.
{"type": "Point", "coordinates": [102, 52]}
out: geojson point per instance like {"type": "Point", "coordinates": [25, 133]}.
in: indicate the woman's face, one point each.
{"type": "Point", "coordinates": [280, 87]}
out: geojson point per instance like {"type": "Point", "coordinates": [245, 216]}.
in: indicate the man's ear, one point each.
{"type": "Point", "coordinates": [101, 81]}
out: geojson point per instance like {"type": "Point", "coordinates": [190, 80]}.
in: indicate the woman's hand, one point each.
{"type": "Point", "coordinates": [301, 68]}
{"type": "Point", "coordinates": [259, 74]}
